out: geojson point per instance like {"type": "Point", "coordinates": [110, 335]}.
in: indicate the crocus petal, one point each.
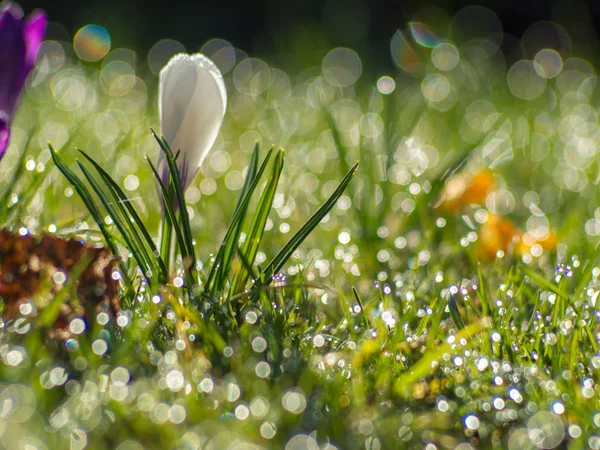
{"type": "Point", "coordinates": [192, 102]}
{"type": "Point", "coordinates": [19, 45]}
{"type": "Point", "coordinates": [4, 133]}
{"type": "Point", "coordinates": [12, 8]}
{"type": "Point", "coordinates": [33, 33]}
{"type": "Point", "coordinates": [12, 57]}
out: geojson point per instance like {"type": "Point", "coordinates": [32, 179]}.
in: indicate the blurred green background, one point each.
{"type": "Point", "coordinates": [289, 34]}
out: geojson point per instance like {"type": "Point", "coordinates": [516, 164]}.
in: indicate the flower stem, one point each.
{"type": "Point", "coordinates": [166, 248]}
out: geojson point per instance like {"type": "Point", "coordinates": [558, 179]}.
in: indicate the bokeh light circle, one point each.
{"type": "Point", "coordinates": [252, 76]}
{"type": "Point", "coordinates": [423, 35]}
{"type": "Point", "coordinates": [545, 34]}
{"type": "Point", "coordinates": [523, 80]}
{"type": "Point", "coordinates": [92, 43]}
{"type": "Point", "coordinates": [476, 22]}
{"type": "Point", "coordinates": [545, 430]}
{"type": "Point", "coordinates": [121, 54]}
{"type": "Point", "coordinates": [404, 54]}
{"type": "Point", "coordinates": [342, 67]}
{"type": "Point", "coordinates": [445, 56]}
{"type": "Point", "coordinates": [162, 52]}
{"type": "Point", "coordinates": [221, 52]}
{"type": "Point", "coordinates": [500, 202]}
{"type": "Point", "coordinates": [435, 87]}
{"type": "Point", "coordinates": [386, 85]}
{"type": "Point", "coordinates": [519, 440]}
{"type": "Point", "coordinates": [577, 76]}
{"type": "Point", "coordinates": [547, 63]}
{"type": "Point", "coordinates": [51, 57]}
{"type": "Point", "coordinates": [18, 403]}
{"type": "Point", "coordinates": [118, 77]}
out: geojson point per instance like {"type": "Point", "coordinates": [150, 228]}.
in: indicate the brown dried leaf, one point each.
{"type": "Point", "coordinates": [25, 261]}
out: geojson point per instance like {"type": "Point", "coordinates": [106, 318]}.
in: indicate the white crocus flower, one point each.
{"type": "Point", "coordinates": [192, 101]}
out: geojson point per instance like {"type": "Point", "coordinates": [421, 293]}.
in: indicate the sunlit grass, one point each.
{"type": "Point", "coordinates": [447, 299]}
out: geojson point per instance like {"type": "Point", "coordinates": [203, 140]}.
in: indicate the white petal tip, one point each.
{"type": "Point", "coordinates": [197, 60]}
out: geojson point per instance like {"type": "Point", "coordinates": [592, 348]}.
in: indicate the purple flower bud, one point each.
{"type": "Point", "coordinates": [20, 41]}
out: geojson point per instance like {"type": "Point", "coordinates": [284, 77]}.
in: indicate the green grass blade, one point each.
{"type": "Point", "coordinates": [284, 254]}
{"type": "Point", "coordinates": [124, 201]}
{"type": "Point", "coordinates": [11, 185]}
{"type": "Point", "coordinates": [391, 141]}
{"type": "Point", "coordinates": [26, 197]}
{"type": "Point", "coordinates": [257, 227]}
{"type": "Point", "coordinates": [138, 253]}
{"type": "Point", "coordinates": [424, 366]}
{"type": "Point", "coordinates": [34, 184]}
{"type": "Point", "coordinates": [360, 214]}
{"type": "Point", "coordinates": [540, 280]}
{"type": "Point", "coordinates": [166, 233]}
{"type": "Point", "coordinates": [586, 273]}
{"type": "Point", "coordinates": [180, 195]}
{"type": "Point", "coordinates": [363, 311]}
{"type": "Point", "coordinates": [533, 313]}
{"type": "Point", "coordinates": [337, 140]}
{"type": "Point", "coordinates": [483, 295]}
{"type": "Point", "coordinates": [232, 244]}
{"type": "Point", "coordinates": [250, 176]}
{"type": "Point", "coordinates": [172, 217]}
{"type": "Point", "coordinates": [454, 313]}
{"type": "Point", "coordinates": [233, 231]}
{"type": "Point", "coordinates": [93, 209]}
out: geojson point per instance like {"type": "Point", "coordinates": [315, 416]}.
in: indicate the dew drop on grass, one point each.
{"type": "Point", "coordinates": [259, 344]}
{"type": "Point", "coordinates": [318, 340]}
{"type": "Point", "coordinates": [232, 392]}
{"type": "Point", "coordinates": [59, 277]}
{"type": "Point", "coordinates": [122, 320]}
{"type": "Point", "coordinates": [175, 380]}
{"type": "Point", "coordinates": [294, 402]}
{"type": "Point", "coordinates": [26, 308]}
{"type": "Point", "coordinates": [102, 318]}
{"type": "Point", "coordinates": [72, 345]}
{"type": "Point", "coordinates": [177, 414]}
{"type": "Point", "coordinates": [262, 369]}
{"type": "Point", "coordinates": [99, 347]}
{"type": "Point", "coordinates": [268, 430]}
{"type": "Point", "coordinates": [472, 422]}
{"type": "Point", "coordinates": [206, 385]}
{"type": "Point", "coordinates": [77, 326]}
{"type": "Point", "coordinates": [241, 412]}
{"type": "Point", "coordinates": [15, 356]}
{"type": "Point", "coordinates": [251, 317]}
{"type": "Point", "coordinates": [443, 405]}
{"type": "Point", "coordinates": [21, 326]}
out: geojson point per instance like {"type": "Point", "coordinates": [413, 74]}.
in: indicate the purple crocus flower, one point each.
{"type": "Point", "coordinates": [20, 40]}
